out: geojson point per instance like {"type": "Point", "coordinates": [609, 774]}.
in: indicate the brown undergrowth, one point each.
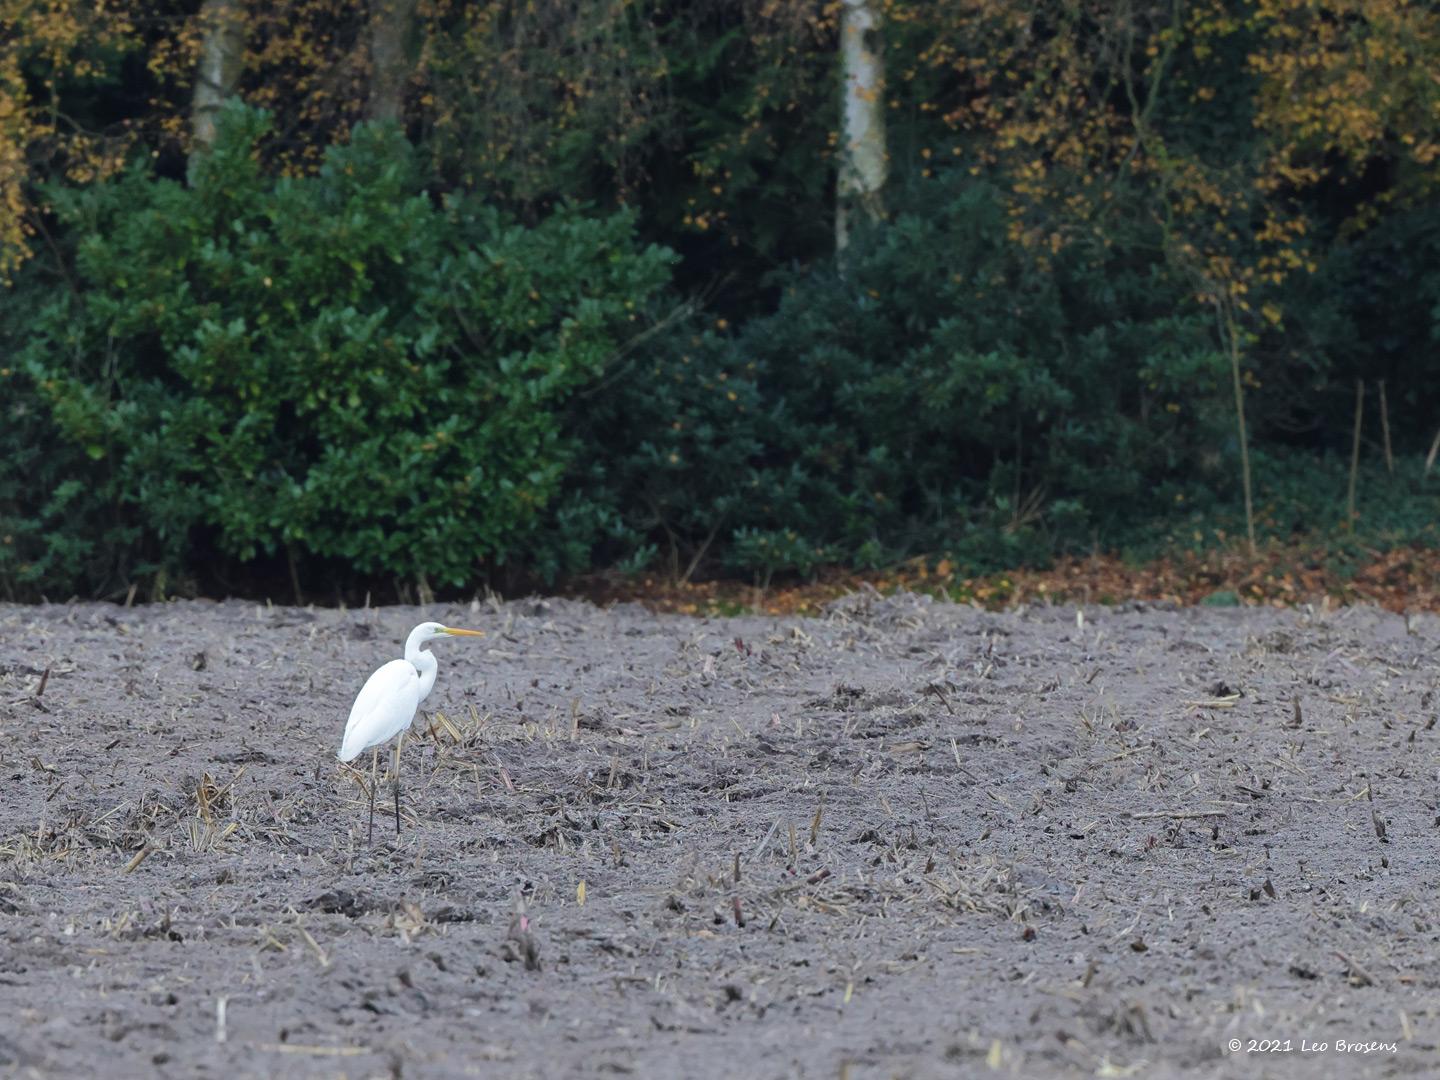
{"type": "Point", "coordinates": [1402, 580]}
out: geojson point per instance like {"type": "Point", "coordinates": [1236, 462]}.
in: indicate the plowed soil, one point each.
{"type": "Point", "coordinates": [903, 838]}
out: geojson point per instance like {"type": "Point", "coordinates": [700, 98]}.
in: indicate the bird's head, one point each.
{"type": "Point", "coordinates": [431, 630]}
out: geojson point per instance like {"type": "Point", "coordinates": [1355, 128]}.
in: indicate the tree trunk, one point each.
{"type": "Point", "coordinates": [864, 161]}
{"type": "Point", "coordinates": [1231, 335]}
{"type": "Point", "coordinates": [392, 57]}
{"type": "Point", "coordinates": [222, 54]}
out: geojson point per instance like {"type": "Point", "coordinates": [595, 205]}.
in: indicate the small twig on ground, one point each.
{"type": "Point", "coordinates": [315, 1051]}
{"type": "Point", "coordinates": [1356, 972]}
{"type": "Point", "coordinates": [939, 691]}
{"type": "Point", "coordinates": [815, 825]}
{"type": "Point", "coordinates": [314, 947]}
{"type": "Point", "coordinates": [760, 849]}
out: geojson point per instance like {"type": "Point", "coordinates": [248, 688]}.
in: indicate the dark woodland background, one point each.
{"type": "Point", "coordinates": [439, 295]}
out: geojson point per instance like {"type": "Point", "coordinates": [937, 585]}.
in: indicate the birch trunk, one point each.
{"type": "Point", "coordinates": [392, 33]}
{"type": "Point", "coordinates": [864, 162]}
{"type": "Point", "coordinates": [222, 54]}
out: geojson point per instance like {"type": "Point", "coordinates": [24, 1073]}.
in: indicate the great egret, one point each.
{"type": "Point", "coordinates": [387, 703]}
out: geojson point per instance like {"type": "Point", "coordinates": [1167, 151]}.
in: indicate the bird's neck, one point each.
{"type": "Point", "coordinates": [424, 662]}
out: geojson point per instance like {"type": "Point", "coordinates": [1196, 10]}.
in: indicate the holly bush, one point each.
{"type": "Point", "coordinates": [338, 365]}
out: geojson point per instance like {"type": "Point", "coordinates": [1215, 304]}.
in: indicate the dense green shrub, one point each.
{"type": "Point", "coordinates": [1373, 310]}
{"type": "Point", "coordinates": [948, 390]}
{"type": "Point", "coordinates": [52, 525]}
{"type": "Point", "coordinates": [333, 365]}
{"type": "Point", "coordinates": [344, 369]}
{"type": "Point", "coordinates": [675, 437]}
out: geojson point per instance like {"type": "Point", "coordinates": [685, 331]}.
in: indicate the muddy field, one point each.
{"type": "Point", "coordinates": [904, 839]}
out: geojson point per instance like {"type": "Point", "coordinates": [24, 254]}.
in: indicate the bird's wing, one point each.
{"type": "Point", "coordinates": [384, 707]}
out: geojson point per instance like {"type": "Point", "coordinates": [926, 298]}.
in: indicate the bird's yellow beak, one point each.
{"type": "Point", "coordinates": [464, 633]}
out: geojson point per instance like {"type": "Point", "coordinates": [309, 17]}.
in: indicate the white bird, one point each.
{"type": "Point", "coordinates": [388, 701]}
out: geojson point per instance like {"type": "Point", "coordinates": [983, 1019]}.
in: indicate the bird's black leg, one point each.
{"type": "Point", "coordinates": [374, 780]}
{"type": "Point", "coordinates": [398, 744]}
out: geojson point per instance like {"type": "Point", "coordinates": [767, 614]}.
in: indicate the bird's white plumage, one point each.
{"type": "Point", "coordinates": [387, 702]}
{"type": "Point", "coordinates": [384, 707]}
